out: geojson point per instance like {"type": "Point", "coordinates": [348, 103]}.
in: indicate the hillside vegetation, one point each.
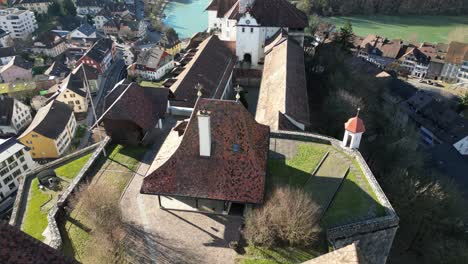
{"type": "Point", "coordinates": [394, 7]}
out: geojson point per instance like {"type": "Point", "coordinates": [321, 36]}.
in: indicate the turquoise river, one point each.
{"type": "Point", "coordinates": [187, 16]}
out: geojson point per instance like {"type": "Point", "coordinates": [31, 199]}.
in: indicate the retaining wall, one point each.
{"type": "Point", "coordinates": [22, 194]}
{"type": "Point", "coordinates": [376, 235]}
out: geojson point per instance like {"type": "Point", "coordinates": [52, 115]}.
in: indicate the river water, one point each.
{"type": "Point", "coordinates": [187, 17]}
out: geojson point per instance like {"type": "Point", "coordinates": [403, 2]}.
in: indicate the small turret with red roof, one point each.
{"type": "Point", "coordinates": [354, 129]}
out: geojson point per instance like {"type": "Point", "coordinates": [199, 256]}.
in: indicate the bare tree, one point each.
{"type": "Point", "coordinates": [288, 217]}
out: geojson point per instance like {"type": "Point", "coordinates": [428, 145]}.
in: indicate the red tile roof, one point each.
{"type": "Point", "coordinates": [457, 52]}
{"type": "Point", "coordinates": [226, 175]}
{"type": "Point", "coordinates": [17, 247]}
{"type": "Point", "coordinates": [278, 13]}
{"type": "Point", "coordinates": [355, 125]}
{"type": "Point", "coordinates": [141, 105]}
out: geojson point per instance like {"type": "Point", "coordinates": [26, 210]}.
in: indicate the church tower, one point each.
{"type": "Point", "coordinates": [354, 129]}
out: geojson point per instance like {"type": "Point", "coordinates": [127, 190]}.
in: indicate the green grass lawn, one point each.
{"type": "Point", "coordinates": [260, 255]}
{"type": "Point", "coordinates": [35, 219]}
{"type": "Point", "coordinates": [71, 169]}
{"type": "Point", "coordinates": [423, 28]}
{"type": "Point", "coordinates": [115, 170]}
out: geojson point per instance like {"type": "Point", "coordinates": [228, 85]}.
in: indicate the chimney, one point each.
{"type": "Point", "coordinates": [244, 5]}
{"type": "Point", "coordinates": [204, 132]}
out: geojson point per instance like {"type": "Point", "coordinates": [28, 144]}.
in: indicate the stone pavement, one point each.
{"type": "Point", "coordinates": [162, 236]}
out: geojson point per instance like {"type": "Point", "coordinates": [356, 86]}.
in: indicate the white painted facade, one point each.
{"type": "Point", "coordinates": [450, 71]}
{"type": "Point", "coordinates": [351, 140]}
{"type": "Point", "coordinates": [99, 22]}
{"type": "Point", "coordinates": [53, 52]}
{"type": "Point", "coordinates": [20, 23]}
{"type": "Point", "coordinates": [78, 103]}
{"type": "Point", "coordinates": [14, 162]}
{"type": "Point", "coordinates": [156, 74]}
{"type": "Point", "coordinates": [21, 118]}
{"type": "Point", "coordinates": [88, 10]}
{"type": "Point", "coordinates": [462, 77]}
{"type": "Point", "coordinates": [37, 7]}
{"type": "Point", "coordinates": [6, 60]}
{"type": "Point", "coordinates": [65, 138]}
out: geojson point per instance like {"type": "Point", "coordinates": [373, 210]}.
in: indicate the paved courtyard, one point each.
{"type": "Point", "coordinates": [162, 236]}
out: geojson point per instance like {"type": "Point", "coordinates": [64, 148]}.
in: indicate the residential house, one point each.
{"type": "Point", "coordinates": [380, 51]}
{"type": "Point", "coordinates": [127, 51]}
{"type": "Point", "coordinates": [15, 161]}
{"type": "Point", "coordinates": [27, 249]}
{"type": "Point", "coordinates": [133, 112]}
{"type": "Point", "coordinates": [132, 29]}
{"type": "Point", "coordinates": [152, 64]}
{"type": "Point", "coordinates": [84, 33]}
{"type": "Point", "coordinates": [283, 101]}
{"type": "Point", "coordinates": [438, 123]}
{"type": "Point", "coordinates": [5, 39]}
{"type": "Point", "coordinates": [454, 60]}
{"type": "Point", "coordinates": [462, 76]}
{"type": "Point", "coordinates": [111, 27]}
{"type": "Point", "coordinates": [36, 6]}
{"type": "Point", "coordinates": [51, 131]}
{"type": "Point", "coordinates": [101, 19]}
{"type": "Point", "coordinates": [16, 70]}
{"type": "Point", "coordinates": [250, 23]}
{"type": "Point", "coordinates": [7, 54]}
{"type": "Point", "coordinates": [170, 42]}
{"type": "Point", "coordinates": [50, 44]}
{"type": "Point", "coordinates": [14, 116]}
{"type": "Point", "coordinates": [90, 7]}
{"type": "Point", "coordinates": [57, 69]}
{"type": "Point", "coordinates": [414, 62]}
{"type": "Point", "coordinates": [20, 23]}
{"type": "Point", "coordinates": [99, 56]}
{"type": "Point", "coordinates": [437, 53]}
{"type": "Point", "coordinates": [72, 91]}
{"type": "Point", "coordinates": [220, 164]}
{"type": "Point", "coordinates": [211, 66]}
{"type": "Point", "coordinates": [89, 75]}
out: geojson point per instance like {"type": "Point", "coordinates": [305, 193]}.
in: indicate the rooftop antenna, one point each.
{"type": "Point", "coordinates": [199, 88]}
{"type": "Point", "coordinates": [238, 90]}
{"type": "Point", "coordinates": [88, 94]}
{"type": "Point", "coordinates": [358, 110]}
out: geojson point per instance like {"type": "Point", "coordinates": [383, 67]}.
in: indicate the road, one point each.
{"type": "Point", "coordinates": [438, 92]}
{"type": "Point", "coordinates": [113, 75]}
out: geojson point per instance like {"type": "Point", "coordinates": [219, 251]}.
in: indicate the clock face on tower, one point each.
{"type": "Point", "coordinates": [247, 22]}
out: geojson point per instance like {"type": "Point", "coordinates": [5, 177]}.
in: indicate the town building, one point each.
{"type": "Point", "coordinates": [14, 116]}
{"type": "Point", "coordinates": [438, 123]}
{"type": "Point", "coordinates": [5, 39]}
{"type": "Point", "coordinates": [90, 7]}
{"type": "Point", "coordinates": [250, 23]}
{"type": "Point", "coordinates": [283, 101]}
{"type": "Point", "coordinates": [170, 43]}
{"type": "Point", "coordinates": [152, 64]}
{"type": "Point", "coordinates": [72, 91]}
{"type": "Point", "coordinates": [15, 161]}
{"type": "Point", "coordinates": [210, 66]}
{"type": "Point", "coordinates": [57, 69]}
{"type": "Point", "coordinates": [51, 131]}
{"type": "Point", "coordinates": [84, 34]}
{"type": "Point", "coordinates": [414, 62]}
{"type": "Point", "coordinates": [220, 164]}
{"type": "Point", "coordinates": [379, 50]}
{"type": "Point", "coordinates": [127, 51]}
{"type": "Point", "coordinates": [462, 77]}
{"type": "Point", "coordinates": [88, 75]}
{"type": "Point", "coordinates": [126, 124]}
{"type": "Point", "coordinates": [20, 23]}
{"type": "Point", "coordinates": [36, 6]}
{"type": "Point", "coordinates": [99, 56]}
{"type": "Point", "coordinates": [437, 53]}
{"type": "Point", "coordinates": [454, 60]}
{"type": "Point", "coordinates": [7, 54]}
{"type": "Point", "coordinates": [50, 44]}
{"type": "Point", "coordinates": [16, 70]}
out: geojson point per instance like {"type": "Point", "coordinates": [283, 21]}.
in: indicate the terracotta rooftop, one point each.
{"type": "Point", "coordinates": [355, 125]}
{"type": "Point", "coordinates": [283, 89]}
{"type": "Point", "coordinates": [228, 174]}
{"type": "Point", "coordinates": [211, 66]}
{"type": "Point", "coordinates": [457, 52]}
{"type": "Point", "coordinates": [142, 105]}
{"type": "Point", "coordinates": [278, 13]}
{"type": "Point", "coordinates": [17, 247]}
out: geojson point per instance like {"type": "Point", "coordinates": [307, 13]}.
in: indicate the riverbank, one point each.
{"type": "Point", "coordinates": [187, 18]}
{"type": "Point", "coordinates": [436, 29]}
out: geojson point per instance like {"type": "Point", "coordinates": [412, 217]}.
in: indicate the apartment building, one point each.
{"type": "Point", "coordinates": [20, 23]}
{"type": "Point", "coordinates": [37, 6]}
{"type": "Point", "coordinates": [14, 116]}
{"type": "Point", "coordinates": [14, 162]}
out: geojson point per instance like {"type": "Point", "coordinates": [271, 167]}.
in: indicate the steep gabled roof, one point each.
{"type": "Point", "coordinates": [283, 89]}
{"type": "Point", "coordinates": [211, 66]}
{"type": "Point", "coordinates": [142, 105]}
{"type": "Point", "coordinates": [221, 6]}
{"type": "Point", "coordinates": [99, 50]}
{"type": "Point", "coordinates": [50, 120]}
{"type": "Point", "coordinates": [19, 62]}
{"type": "Point", "coordinates": [236, 169]}
{"type": "Point", "coordinates": [57, 69]}
{"type": "Point", "coordinates": [17, 247]}
{"type": "Point", "coordinates": [278, 13]}
{"type": "Point", "coordinates": [91, 72]}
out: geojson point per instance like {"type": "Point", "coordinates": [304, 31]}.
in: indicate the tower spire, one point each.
{"type": "Point", "coordinates": [238, 89]}
{"type": "Point", "coordinates": [199, 88]}
{"type": "Point", "coordinates": [358, 110]}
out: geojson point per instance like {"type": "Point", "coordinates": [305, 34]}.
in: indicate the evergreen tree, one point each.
{"type": "Point", "coordinates": [69, 7]}
{"type": "Point", "coordinates": [55, 9]}
{"type": "Point", "coordinates": [345, 37]}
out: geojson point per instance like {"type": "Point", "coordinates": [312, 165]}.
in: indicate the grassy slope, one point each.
{"type": "Point", "coordinates": [75, 237]}
{"type": "Point", "coordinates": [257, 255]}
{"type": "Point", "coordinates": [35, 220]}
{"type": "Point", "coordinates": [71, 170]}
{"type": "Point", "coordinates": [424, 28]}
